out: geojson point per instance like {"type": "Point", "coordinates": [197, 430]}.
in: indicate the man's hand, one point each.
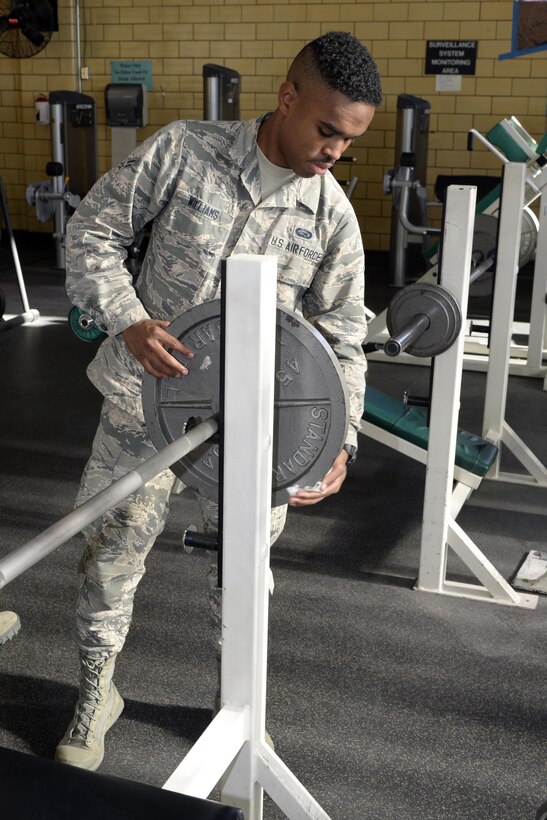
{"type": "Point", "coordinates": [147, 341]}
{"type": "Point", "coordinates": [330, 484]}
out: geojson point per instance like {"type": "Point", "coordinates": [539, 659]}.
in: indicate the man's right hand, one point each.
{"type": "Point", "coordinates": [147, 340]}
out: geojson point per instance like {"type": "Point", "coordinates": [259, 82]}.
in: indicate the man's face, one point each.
{"type": "Point", "coordinates": [316, 128]}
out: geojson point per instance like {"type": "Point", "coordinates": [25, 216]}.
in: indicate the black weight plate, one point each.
{"type": "Point", "coordinates": [437, 303]}
{"type": "Point", "coordinates": [311, 403]}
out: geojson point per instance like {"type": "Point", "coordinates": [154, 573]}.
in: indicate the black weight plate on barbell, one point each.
{"type": "Point", "coordinates": [311, 402]}
{"type": "Point", "coordinates": [437, 303]}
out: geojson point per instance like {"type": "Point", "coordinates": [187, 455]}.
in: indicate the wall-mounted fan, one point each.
{"type": "Point", "coordinates": [25, 27]}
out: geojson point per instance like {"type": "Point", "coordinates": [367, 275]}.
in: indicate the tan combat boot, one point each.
{"type": "Point", "coordinates": [9, 625]}
{"type": "Point", "coordinates": [98, 708]}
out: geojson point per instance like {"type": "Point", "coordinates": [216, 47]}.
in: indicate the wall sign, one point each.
{"type": "Point", "coordinates": [451, 56]}
{"type": "Point", "coordinates": [132, 71]}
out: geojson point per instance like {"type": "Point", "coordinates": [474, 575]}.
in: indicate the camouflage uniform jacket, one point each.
{"type": "Point", "coordinates": [200, 184]}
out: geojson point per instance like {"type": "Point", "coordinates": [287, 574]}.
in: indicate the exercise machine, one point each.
{"type": "Point", "coordinates": [510, 142]}
{"type": "Point", "coordinates": [73, 169]}
{"type": "Point", "coordinates": [221, 90]}
{"type": "Point", "coordinates": [427, 321]}
{"type": "Point", "coordinates": [408, 200]}
{"type": "Point", "coordinates": [506, 257]}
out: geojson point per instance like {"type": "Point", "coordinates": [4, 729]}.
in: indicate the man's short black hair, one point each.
{"type": "Point", "coordinates": [343, 64]}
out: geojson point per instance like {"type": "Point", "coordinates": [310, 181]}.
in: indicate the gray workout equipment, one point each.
{"type": "Point", "coordinates": [221, 89]}
{"type": "Point", "coordinates": [73, 169]}
{"type": "Point", "coordinates": [411, 138]}
{"type": "Point", "coordinates": [311, 402]}
{"type": "Point", "coordinates": [485, 240]}
{"type": "Point", "coordinates": [41, 195]}
{"type": "Point", "coordinates": [422, 319]}
{"type": "Point", "coordinates": [406, 183]}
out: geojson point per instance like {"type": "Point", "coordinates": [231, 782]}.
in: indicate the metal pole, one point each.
{"type": "Point", "coordinates": [58, 181]}
{"type": "Point", "coordinates": [14, 253]}
{"type": "Point", "coordinates": [481, 268]}
{"type": "Point", "coordinates": [495, 398]}
{"type": "Point", "coordinates": [409, 334]}
{"type": "Point", "coordinates": [37, 548]}
{"type": "Point", "coordinates": [78, 48]}
{"type": "Point", "coordinates": [445, 393]}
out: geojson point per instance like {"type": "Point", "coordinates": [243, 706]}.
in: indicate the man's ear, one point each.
{"type": "Point", "coordinates": [287, 95]}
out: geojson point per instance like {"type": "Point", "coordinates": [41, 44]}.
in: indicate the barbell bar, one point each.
{"type": "Point", "coordinates": [483, 266]}
{"type": "Point", "coordinates": [25, 556]}
{"type": "Point", "coordinates": [310, 429]}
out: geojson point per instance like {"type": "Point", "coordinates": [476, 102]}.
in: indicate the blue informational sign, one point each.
{"type": "Point", "coordinates": [132, 71]}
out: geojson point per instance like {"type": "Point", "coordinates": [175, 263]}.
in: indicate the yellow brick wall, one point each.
{"type": "Point", "coordinates": [258, 38]}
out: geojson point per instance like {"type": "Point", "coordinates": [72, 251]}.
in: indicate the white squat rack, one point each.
{"type": "Point", "coordinates": [233, 749]}
{"type": "Point", "coordinates": [440, 529]}
{"type": "Point", "coordinates": [446, 486]}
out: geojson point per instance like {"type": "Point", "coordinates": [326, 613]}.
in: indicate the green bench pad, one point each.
{"type": "Point", "coordinates": [473, 453]}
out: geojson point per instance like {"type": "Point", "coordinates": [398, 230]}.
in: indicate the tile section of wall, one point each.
{"type": "Point", "coordinates": [258, 39]}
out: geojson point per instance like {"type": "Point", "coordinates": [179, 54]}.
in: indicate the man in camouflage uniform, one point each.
{"type": "Point", "coordinates": [209, 190]}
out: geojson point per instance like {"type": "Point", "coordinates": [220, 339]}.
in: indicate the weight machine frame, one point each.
{"type": "Point", "coordinates": [524, 360]}
{"type": "Point", "coordinates": [495, 428]}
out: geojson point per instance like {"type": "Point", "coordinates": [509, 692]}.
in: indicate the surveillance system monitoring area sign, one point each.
{"type": "Point", "coordinates": [451, 56]}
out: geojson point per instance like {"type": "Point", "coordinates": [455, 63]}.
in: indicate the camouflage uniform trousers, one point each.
{"type": "Point", "coordinates": [118, 542]}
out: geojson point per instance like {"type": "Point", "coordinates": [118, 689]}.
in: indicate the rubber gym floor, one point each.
{"type": "Point", "coordinates": [385, 702]}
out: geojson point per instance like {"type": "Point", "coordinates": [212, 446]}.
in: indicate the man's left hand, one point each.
{"type": "Point", "coordinates": [331, 484]}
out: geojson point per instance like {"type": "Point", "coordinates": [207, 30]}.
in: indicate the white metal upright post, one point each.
{"type": "Point", "coordinates": [232, 750]}
{"type": "Point", "coordinates": [495, 427]}
{"type": "Point", "coordinates": [443, 427]}
{"type": "Point", "coordinates": [537, 343]}
{"type": "Point", "coordinates": [249, 358]}
{"type": "Point", "coordinates": [439, 527]}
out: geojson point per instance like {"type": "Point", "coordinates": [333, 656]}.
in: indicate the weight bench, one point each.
{"type": "Point", "coordinates": [473, 453]}
{"type": "Point", "coordinates": [31, 787]}
{"type": "Point", "coordinates": [405, 429]}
